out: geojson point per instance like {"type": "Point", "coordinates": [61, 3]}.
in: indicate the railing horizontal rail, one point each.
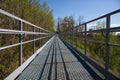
{"type": "Point", "coordinates": [91, 34]}
{"type": "Point", "coordinates": [13, 45]}
{"type": "Point", "coordinates": [35, 33]}
{"type": "Point", "coordinates": [18, 71]}
{"type": "Point", "coordinates": [101, 42]}
{"type": "Point", "coordinates": [35, 39]}
{"type": "Point", "coordinates": [17, 18]}
{"type": "Point", "coordinates": [7, 31]}
{"type": "Point", "coordinates": [1, 48]}
{"type": "Point", "coordinates": [113, 29]}
{"type": "Point", "coordinates": [111, 13]}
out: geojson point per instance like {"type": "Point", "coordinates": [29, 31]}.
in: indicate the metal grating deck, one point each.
{"type": "Point", "coordinates": [55, 62]}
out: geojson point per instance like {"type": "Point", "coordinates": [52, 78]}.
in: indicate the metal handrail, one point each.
{"type": "Point", "coordinates": [13, 45]}
{"type": "Point", "coordinates": [107, 43]}
{"type": "Point", "coordinates": [109, 14]}
{"type": "Point", "coordinates": [21, 33]}
{"type": "Point", "coordinates": [19, 70]}
{"type": "Point", "coordinates": [8, 31]}
{"type": "Point", "coordinates": [19, 19]}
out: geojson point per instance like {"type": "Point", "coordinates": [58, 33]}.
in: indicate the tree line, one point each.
{"type": "Point", "coordinates": [30, 10]}
{"type": "Point", "coordinates": [96, 50]}
{"type": "Point", "coordinates": [33, 11]}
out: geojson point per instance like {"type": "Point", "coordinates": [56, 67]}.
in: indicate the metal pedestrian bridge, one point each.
{"type": "Point", "coordinates": [58, 58]}
{"type": "Point", "coordinates": [55, 62]}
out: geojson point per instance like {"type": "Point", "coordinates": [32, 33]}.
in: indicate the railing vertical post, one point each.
{"type": "Point", "coordinates": [33, 40]}
{"type": "Point", "coordinates": [20, 41]}
{"type": "Point", "coordinates": [72, 36]}
{"type": "Point", "coordinates": [76, 37]}
{"type": "Point", "coordinates": [85, 39]}
{"type": "Point", "coordinates": [69, 37]}
{"type": "Point", "coordinates": [65, 36]}
{"type": "Point", "coordinates": [39, 39]}
{"type": "Point", "coordinates": [107, 43]}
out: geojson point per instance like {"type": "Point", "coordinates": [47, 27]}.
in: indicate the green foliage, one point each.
{"type": "Point", "coordinates": [66, 23]}
{"type": "Point", "coordinates": [30, 10]}
{"type": "Point", "coordinates": [8, 61]}
{"type": "Point", "coordinates": [97, 50]}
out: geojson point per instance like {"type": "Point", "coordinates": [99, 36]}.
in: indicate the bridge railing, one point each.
{"type": "Point", "coordinates": [98, 35]}
{"type": "Point", "coordinates": [16, 32]}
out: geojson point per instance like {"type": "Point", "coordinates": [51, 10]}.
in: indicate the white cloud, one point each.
{"type": "Point", "coordinates": [111, 25]}
{"type": "Point", "coordinates": [115, 25]}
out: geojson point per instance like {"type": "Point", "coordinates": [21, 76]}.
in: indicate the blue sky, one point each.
{"type": "Point", "coordinates": [89, 9]}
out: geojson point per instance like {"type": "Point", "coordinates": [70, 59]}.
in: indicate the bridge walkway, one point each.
{"type": "Point", "coordinates": [55, 62]}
